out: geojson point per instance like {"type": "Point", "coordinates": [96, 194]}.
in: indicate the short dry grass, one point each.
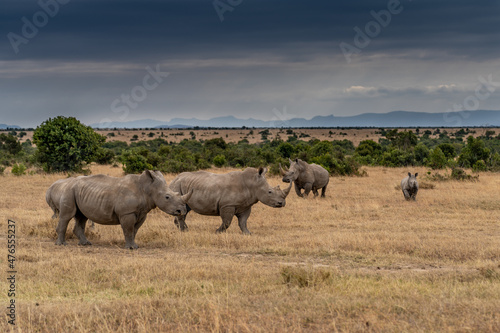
{"type": "Point", "coordinates": [363, 259]}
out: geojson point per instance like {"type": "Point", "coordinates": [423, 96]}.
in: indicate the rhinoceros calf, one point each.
{"type": "Point", "coordinates": [226, 195]}
{"type": "Point", "coordinates": [307, 177]}
{"type": "Point", "coordinates": [409, 185]}
{"type": "Point", "coordinates": [111, 201]}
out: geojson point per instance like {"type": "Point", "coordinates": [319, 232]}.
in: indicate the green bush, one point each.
{"type": "Point", "coordinates": [321, 148]}
{"type": "Point", "coordinates": [286, 149]}
{"type": "Point", "coordinates": [437, 159]}
{"type": "Point", "coordinates": [9, 144]}
{"type": "Point", "coordinates": [479, 166]}
{"type": "Point", "coordinates": [474, 151]}
{"type": "Point", "coordinates": [19, 169]}
{"type": "Point", "coordinates": [65, 144]}
{"type": "Point", "coordinates": [448, 150]}
{"type": "Point", "coordinates": [104, 156]}
{"type": "Point", "coordinates": [396, 158]}
{"type": "Point", "coordinates": [133, 162]}
{"type": "Point", "coordinates": [421, 153]}
{"type": "Point", "coordinates": [460, 174]}
{"type": "Point", "coordinates": [219, 161]}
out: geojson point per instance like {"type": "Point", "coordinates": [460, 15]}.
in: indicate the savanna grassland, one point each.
{"type": "Point", "coordinates": [361, 260]}
{"type": "Point", "coordinates": [355, 135]}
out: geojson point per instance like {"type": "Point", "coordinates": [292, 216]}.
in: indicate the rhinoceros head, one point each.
{"type": "Point", "coordinates": [156, 187]}
{"type": "Point", "coordinates": [412, 180]}
{"type": "Point", "coordinates": [293, 172]}
{"type": "Point", "coordinates": [271, 196]}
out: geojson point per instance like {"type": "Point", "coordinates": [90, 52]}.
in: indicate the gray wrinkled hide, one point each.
{"type": "Point", "coordinates": [307, 177]}
{"type": "Point", "coordinates": [226, 195]}
{"type": "Point", "coordinates": [109, 200]}
{"type": "Point", "coordinates": [54, 192]}
{"type": "Point", "coordinates": [409, 186]}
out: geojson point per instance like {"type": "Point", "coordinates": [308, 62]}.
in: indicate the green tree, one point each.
{"type": "Point", "coordinates": [65, 144]}
{"type": "Point", "coordinates": [134, 162]}
{"type": "Point", "coordinates": [437, 159]}
{"type": "Point", "coordinates": [421, 153]}
{"type": "Point", "coordinates": [448, 149]}
{"type": "Point", "coordinates": [474, 151]}
{"type": "Point", "coordinates": [286, 149]}
{"type": "Point", "coordinates": [219, 161]}
{"type": "Point", "coordinates": [9, 144]}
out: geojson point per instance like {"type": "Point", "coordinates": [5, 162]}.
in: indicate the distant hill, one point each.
{"type": "Point", "coordinates": [5, 126]}
{"type": "Point", "coordinates": [480, 118]}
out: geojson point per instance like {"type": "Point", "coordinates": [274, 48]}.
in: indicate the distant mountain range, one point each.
{"type": "Point", "coordinates": [5, 126]}
{"type": "Point", "coordinates": [480, 118]}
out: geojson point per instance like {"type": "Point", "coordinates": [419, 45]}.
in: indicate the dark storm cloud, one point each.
{"type": "Point", "coordinates": [132, 30]}
{"type": "Point", "coordinates": [263, 55]}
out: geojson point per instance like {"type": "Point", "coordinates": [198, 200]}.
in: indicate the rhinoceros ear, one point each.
{"type": "Point", "coordinates": [416, 175]}
{"type": "Point", "coordinates": [149, 174]}
{"type": "Point", "coordinates": [409, 174]}
{"type": "Point", "coordinates": [262, 171]}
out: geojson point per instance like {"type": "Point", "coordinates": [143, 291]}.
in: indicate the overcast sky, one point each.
{"type": "Point", "coordinates": [107, 60]}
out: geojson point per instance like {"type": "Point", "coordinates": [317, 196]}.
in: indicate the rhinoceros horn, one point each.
{"type": "Point", "coordinates": [287, 190]}
{"type": "Point", "coordinates": [282, 171]}
{"type": "Point", "coordinates": [185, 197]}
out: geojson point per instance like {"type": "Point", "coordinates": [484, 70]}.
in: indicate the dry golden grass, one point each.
{"type": "Point", "coordinates": [235, 135]}
{"type": "Point", "coordinates": [362, 259]}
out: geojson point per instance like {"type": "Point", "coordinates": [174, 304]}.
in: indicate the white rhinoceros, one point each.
{"type": "Point", "coordinates": [124, 201]}
{"type": "Point", "coordinates": [226, 195]}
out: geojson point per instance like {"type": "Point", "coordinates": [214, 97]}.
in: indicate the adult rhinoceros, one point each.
{"type": "Point", "coordinates": [109, 200]}
{"type": "Point", "coordinates": [306, 176]}
{"type": "Point", "coordinates": [54, 193]}
{"type": "Point", "coordinates": [226, 195]}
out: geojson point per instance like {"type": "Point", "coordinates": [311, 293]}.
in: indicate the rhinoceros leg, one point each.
{"type": "Point", "coordinates": [128, 226]}
{"type": "Point", "coordinates": [414, 195]}
{"type": "Point", "coordinates": [66, 213]}
{"type": "Point", "coordinates": [297, 190]}
{"type": "Point", "coordinates": [307, 189]}
{"type": "Point", "coordinates": [138, 225]}
{"type": "Point", "coordinates": [226, 215]}
{"type": "Point", "coordinates": [406, 194]}
{"type": "Point", "coordinates": [79, 229]}
{"type": "Point", "coordinates": [315, 192]}
{"type": "Point", "coordinates": [323, 190]}
{"type": "Point", "coordinates": [242, 221]}
{"type": "Point", "coordinates": [180, 222]}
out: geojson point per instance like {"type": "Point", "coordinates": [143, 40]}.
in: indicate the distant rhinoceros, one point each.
{"type": "Point", "coordinates": [109, 200]}
{"type": "Point", "coordinates": [409, 185]}
{"type": "Point", "coordinates": [226, 195]}
{"type": "Point", "coordinates": [306, 176]}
